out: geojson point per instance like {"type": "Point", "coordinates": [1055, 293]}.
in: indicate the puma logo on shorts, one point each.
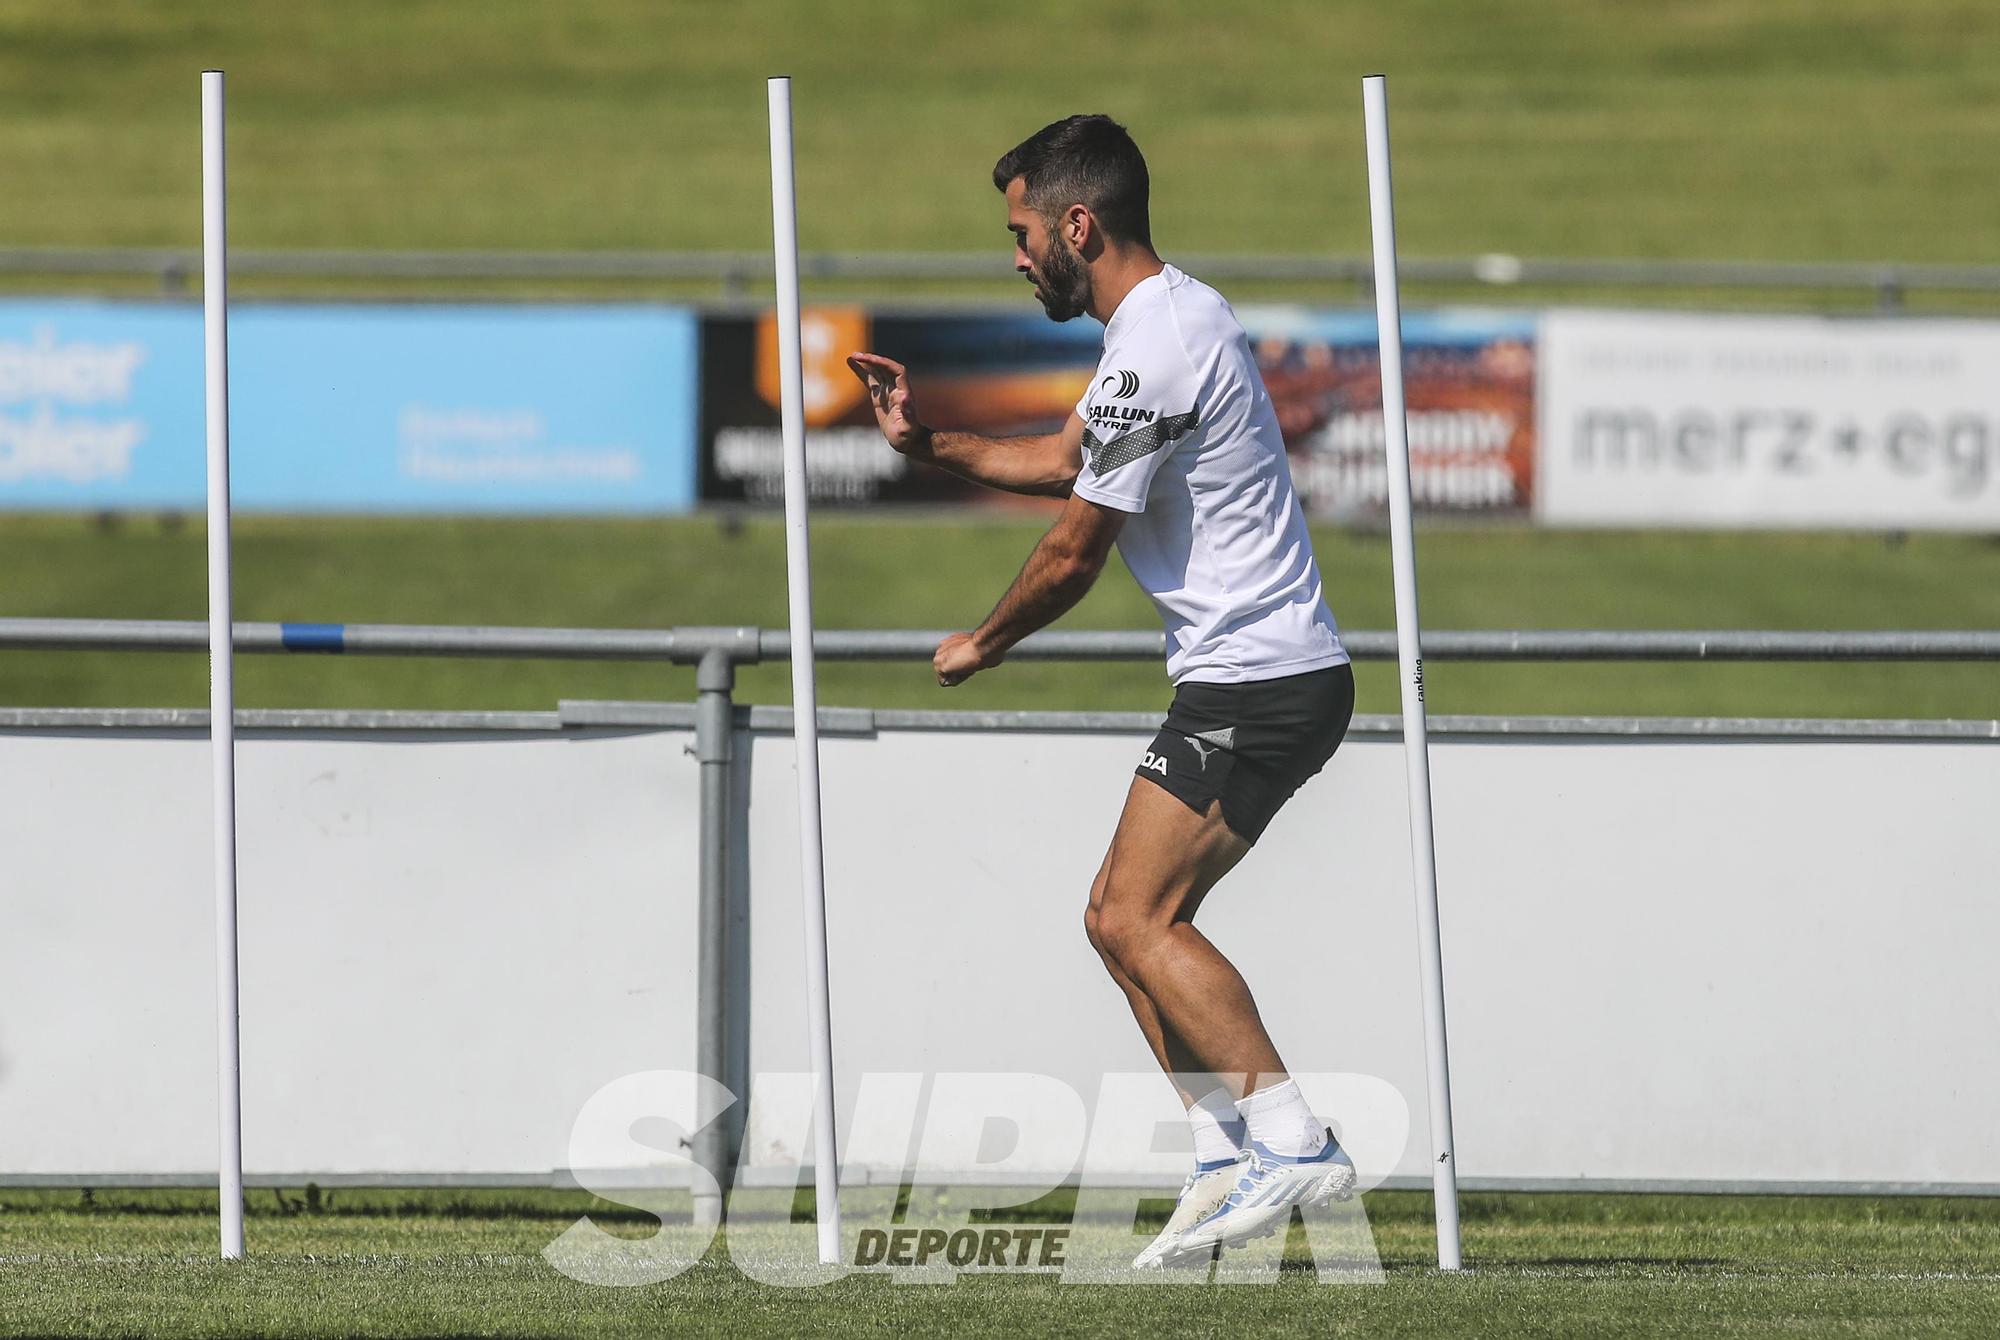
{"type": "Point", "coordinates": [1249, 745]}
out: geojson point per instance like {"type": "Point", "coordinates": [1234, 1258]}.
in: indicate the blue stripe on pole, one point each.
{"type": "Point", "coordinates": [313, 636]}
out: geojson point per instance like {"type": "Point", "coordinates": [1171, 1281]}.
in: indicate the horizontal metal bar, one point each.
{"type": "Point", "coordinates": [1693, 1186]}
{"type": "Point", "coordinates": [646, 715]}
{"type": "Point", "coordinates": [739, 267]}
{"type": "Point", "coordinates": [560, 1179]}
{"type": "Point", "coordinates": [778, 720]}
{"type": "Point", "coordinates": [1685, 728]}
{"type": "Point", "coordinates": [279, 718]}
{"type": "Point", "coordinates": [573, 715]}
{"type": "Point", "coordinates": [564, 1179]}
{"type": "Point", "coordinates": [1448, 644]}
{"type": "Point", "coordinates": [745, 645]}
{"type": "Point", "coordinates": [1690, 645]}
{"type": "Point", "coordinates": [1083, 723]}
{"type": "Point", "coordinates": [882, 1176]}
{"type": "Point", "coordinates": [862, 721]}
{"type": "Point", "coordinates": [915, 644]}
{"type": "Point", "coordinates": [680, 644]}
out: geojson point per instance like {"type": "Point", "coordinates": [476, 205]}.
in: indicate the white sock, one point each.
{"type": "Point", "coordinates": [1280, 1121]}
{"type": "Point", "coordinates": [1218, 1130]}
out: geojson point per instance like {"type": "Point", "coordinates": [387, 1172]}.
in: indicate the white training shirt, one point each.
{"type": "Point", "coordinates": [1179, 432]}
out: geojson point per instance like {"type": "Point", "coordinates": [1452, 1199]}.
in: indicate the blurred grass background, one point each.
{"type": "Point", "coordinates": [1787, 129]}
{"type": "Point", "coordinates": [1791, 129]}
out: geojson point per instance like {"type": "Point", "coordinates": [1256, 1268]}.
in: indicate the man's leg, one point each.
{"type": "Point", "coordinates": [1192, 1004]}
{"type": "Point", "coordinates": [1243, 752]}
{"type": "Point", "coordinates": [1167, 1046]}
{"type": "Point", "coordinates": [1195, 1008]}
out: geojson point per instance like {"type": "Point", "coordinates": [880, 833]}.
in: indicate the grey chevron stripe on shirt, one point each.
{"type": "Point", "coordinates": [1129, 447]}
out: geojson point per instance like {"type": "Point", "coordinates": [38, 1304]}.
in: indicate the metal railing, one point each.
{"type": "Point", "coordinates": [747, 645]}
{"type": "Point", "coordinates": [715, 653]}
{"type": "Point", "coordinates": [736, 273]}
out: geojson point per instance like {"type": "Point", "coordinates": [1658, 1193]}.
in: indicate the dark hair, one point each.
{"type": "Point", "coordinates": [1086, 160]}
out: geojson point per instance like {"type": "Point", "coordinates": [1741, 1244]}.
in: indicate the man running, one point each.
{"type": "Point", "coordinates": [1174, 455]}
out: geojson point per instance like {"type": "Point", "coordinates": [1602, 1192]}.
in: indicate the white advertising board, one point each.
{"type": "Point", "coordinates": [1683, 419]}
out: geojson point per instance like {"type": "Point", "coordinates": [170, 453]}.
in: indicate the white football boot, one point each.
{"type": "Point", "coordinates": [1206, 1188]}
{"type": "Point", "coordinates": [1267, 1186]}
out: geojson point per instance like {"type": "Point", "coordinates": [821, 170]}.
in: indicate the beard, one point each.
{"type": "Point", "coordinates": [1063, 285]}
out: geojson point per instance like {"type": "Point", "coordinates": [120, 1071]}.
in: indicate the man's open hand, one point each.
{"type": "Point", "coordinates": [960, 657]}
{"type": "Point", "coordinates": [895, 406]}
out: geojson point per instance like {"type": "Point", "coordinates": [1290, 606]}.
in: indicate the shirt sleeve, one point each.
{"type": "Point", "coordinates": [1142, 402]}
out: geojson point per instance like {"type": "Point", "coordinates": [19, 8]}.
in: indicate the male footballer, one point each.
{"type": "Point", "coordinates": [1175, 456]}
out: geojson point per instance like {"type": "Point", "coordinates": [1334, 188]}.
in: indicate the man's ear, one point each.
{"type": "Point", "coordinates": [1080, 228]}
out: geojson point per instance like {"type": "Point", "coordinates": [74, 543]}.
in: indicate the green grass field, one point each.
{"type": "Point", "coordinates": [1789, 129]}
{"type": "Point", "coordinates": [905, 572]}
{"type": "Point", "coordinates": [392, 1263]}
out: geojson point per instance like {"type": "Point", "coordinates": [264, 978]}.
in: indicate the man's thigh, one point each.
{"type": "Point", "coordinates": [1164, 856]}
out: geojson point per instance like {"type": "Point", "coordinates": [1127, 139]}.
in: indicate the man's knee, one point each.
{"type": "Point", "coordinates": [1092, 907]}
{"type": "Point", "coordinates": [1124, 932]}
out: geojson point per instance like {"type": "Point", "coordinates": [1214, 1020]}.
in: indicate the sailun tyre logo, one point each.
{"type": "Point", "coordinates": [1126, 385]}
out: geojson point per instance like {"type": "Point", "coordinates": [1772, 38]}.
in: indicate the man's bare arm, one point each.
{"type": "Point", "coordinates": [1045, 464]}
{"type": "Point", "coordinates": [1057, 574]}
{"type": "Point", "coordinates": [1041, 463]}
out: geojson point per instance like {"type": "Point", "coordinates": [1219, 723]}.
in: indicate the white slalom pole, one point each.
{"type": "Point", "coordinates": [221, 685]}
{"type": "Point", "coordinates": [1409, 652]}
{"type": "Point", "coordinates": [805, 695]}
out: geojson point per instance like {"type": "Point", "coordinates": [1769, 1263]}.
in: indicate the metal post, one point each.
{"type": "Point", "coordinates": [805, 694]}
{"type": "Point", "coordinates": [714, 749]}
{"type": "Point", "coordinates": [1416, 740]}
{"type": "Point", "coordinates": [1888, 291]}
{"type": "Point", "coordinates": [221, 652]}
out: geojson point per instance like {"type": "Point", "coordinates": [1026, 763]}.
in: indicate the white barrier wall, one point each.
{"type": "Point", "coordinates": [1691, 961]}
{"type": "Point", "coordinates": [1664, 960]}
{"type": "Point", "coordinates": [448, 944]}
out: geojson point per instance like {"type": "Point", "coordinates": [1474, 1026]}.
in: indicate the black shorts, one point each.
{"type": "Point", "coordinates": [1251, 745]}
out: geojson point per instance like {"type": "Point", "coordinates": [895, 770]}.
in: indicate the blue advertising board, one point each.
{"type": "Point", "coordinates": [457, 408]}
